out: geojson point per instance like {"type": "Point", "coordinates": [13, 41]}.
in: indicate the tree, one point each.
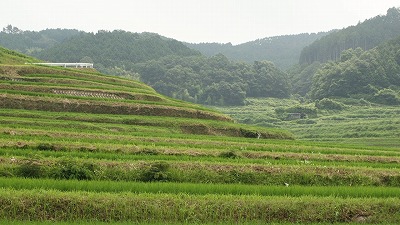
{"type": "Point", "coordinates": [9, 29]}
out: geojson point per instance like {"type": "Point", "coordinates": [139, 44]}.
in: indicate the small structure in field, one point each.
{"type": "Point", "coordinates": [294, 116]}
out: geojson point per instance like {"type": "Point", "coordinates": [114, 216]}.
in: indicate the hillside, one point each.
{"type": "Point", "coordinates": [283, 51]}
{"type": "Point", "coordinates": [29, 42]}
{"type": "Point", "coordinates": [172, 68]}
{"type": "Point", "coordinates": [115, 49]}
{"type": "Point", "coordinates": [365, 35]}
{"type": "Point", "coordinates": [360, 51]}
{"type": "Point", "coordinates": [215, 80]}
{"type": "Point", "coordinates": [79, 147]}
{"type": "Point", "coordinates": [373, 75]}
{"type": "Point", "coordinates": [11, 57]}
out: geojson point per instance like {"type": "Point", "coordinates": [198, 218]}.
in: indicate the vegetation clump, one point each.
{"type": "Point", "coordinates": [229, 154]}
{"type": "Point", "coordinates": [329, 104]}
{"type": "Point", "coordinates": [46, 147]}
{"type": "Point", "coordinates": [387, 96]}
{"type": "Point", "coordinates": [72, 169]}
{"type": "Point", "coordinates": [157, 171]}
{"type": "Point", "coordinates": [31, 168]}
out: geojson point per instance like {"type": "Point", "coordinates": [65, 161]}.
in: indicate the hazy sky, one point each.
{"type": "Point", "coordinates": [235, 21]}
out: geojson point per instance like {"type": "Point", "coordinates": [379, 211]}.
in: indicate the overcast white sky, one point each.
{"type": "Point", "coordinates": [195, 21]}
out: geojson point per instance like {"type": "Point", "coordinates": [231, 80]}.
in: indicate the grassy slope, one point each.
{"type": "Point", "coordinates": [94, 166]}
{"type": "Point", "coordinates": [12, 57]}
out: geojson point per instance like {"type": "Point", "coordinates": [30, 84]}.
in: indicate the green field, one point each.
{"type": "Point", "coordinates": [358, 122]}
{"type": "Point", "coordinates": [78, 147]}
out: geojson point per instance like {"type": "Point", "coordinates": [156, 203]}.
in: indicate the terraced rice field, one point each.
{"type": "Point", "coordinates": [53, 169]}
{"type": "Point", "coordinates": [79, 147]}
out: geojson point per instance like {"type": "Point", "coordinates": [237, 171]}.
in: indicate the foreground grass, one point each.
{"type": "Point", "coordinates": [42, 205]}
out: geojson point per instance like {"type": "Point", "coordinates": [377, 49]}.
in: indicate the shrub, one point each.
{"type": "Point", "coordinates": [72, 169]}
{"type": "Point", "coordinates": [46, 147]}
{"type": "Point", "coordinates": [329, 104]}
{"type": "Point", "coordinates": [157, 171]}
{"type": "Point", "coordinates": [249, 134]}
{"type": "Point", "coordinates": [148, 152]}
{"type": "Point", "coordinates": [229, 154]}
{"type": "Point", "coordinates": [387, 97]}
{"type": "Point", "coordinates": [31, 169]}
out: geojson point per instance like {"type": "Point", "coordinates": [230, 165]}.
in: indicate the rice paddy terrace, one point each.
{"type": "Point", "coordinates": [81, 147]}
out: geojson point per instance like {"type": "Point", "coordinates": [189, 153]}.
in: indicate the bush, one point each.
{"type": "Point", "coordinates": [387, 97]}
{"type": "Point", "coordinates": [156, 172]}
{"type": "Point", "coordinates": [249, 134]}
{"type": "Point", "coordinates": [72, 169]}
{"type": "Point", "coordinates": [46, 147]}
{"type": "Point", "coordinates": [229, 154]}
{"type": "Point", "coordinates": [329, 104]}
{"type": "Point", "coordinates": [31, 169]}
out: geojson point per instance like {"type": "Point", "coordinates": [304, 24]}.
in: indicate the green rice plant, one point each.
{"type": "Point", "coordinates": [40, 205]}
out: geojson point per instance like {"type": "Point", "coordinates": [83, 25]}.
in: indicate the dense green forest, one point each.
{"type": "Point", "coordinates": [214, 80]}
{"type": "Point", "coordinates": [283, 51]}
{"type": "Point", "coordinates": [115, 52]}
{"type": "Point", "coordinates": [335, 48]}
{"type": "Point", "coordinates": [366, 35]}
{"type": "Point", "coordinates": [372, 74]}
{"type": "Point", "coordinates": [30, 42]}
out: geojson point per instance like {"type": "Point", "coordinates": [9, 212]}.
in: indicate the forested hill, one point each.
{"type": "Point", "coordinates": [373, 75]}
{"type": "Point", "coordinates": [366, 35]}
{"type": "Point", "coordinates": [115, 48]}
{"type": "Point", "coordinates": [29, 42]}
{"type": "Point", "coordinates": [283, 51]}
{"type": "Point", "coordinates": [214, 80]}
